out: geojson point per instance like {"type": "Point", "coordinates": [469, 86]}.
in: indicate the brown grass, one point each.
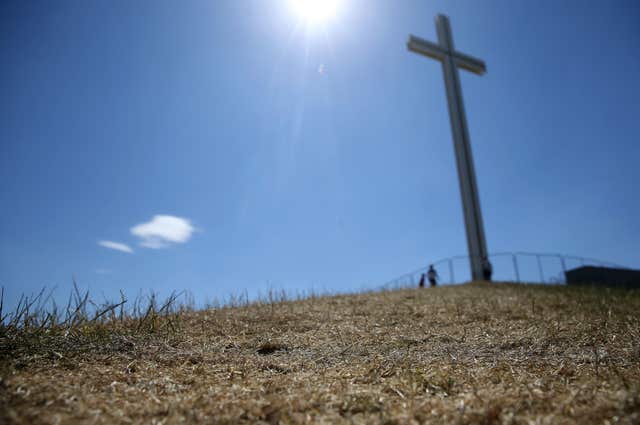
{"type": "Point", "coordinates": [472, 354]}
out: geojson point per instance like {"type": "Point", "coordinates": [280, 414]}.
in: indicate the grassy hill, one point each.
{"type": "Point", "coordinates": [476, 354]}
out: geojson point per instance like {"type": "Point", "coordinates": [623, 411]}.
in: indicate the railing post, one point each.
{"type": "Point", "coordinates": [515, 267]}
{"type": "Point", "coordinates": [540, 269]}
{"type": "Point", "coordinates": [564, 268]}
{"type": "Point", "coordinates": [451, 277]}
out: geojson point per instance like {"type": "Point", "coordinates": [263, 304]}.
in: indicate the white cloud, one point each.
{"type": "Point", "coordinates": [116, 245]}
{"type": "Point", "coordinates": [162, 231]}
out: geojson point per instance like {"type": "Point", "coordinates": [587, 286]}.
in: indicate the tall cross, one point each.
{"type": "Point", "coordinates": [451, 60]}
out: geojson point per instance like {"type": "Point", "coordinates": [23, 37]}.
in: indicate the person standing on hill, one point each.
{"type": "Point", "coordinates": [421, 284]}
{"type": "Point", "coordinates": [432, 274]}
{"type": "Point", "coordinates": [487, 269]}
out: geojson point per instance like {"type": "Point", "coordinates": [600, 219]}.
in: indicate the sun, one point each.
{"type": "Point", "coordinates": [315, 11]}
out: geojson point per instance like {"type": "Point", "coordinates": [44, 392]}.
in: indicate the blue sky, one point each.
{"type": "Point", "coordinates": [305, 157]}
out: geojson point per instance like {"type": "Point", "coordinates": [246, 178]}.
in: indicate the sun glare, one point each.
{"type": "Point", "coordinates": [315, 11]}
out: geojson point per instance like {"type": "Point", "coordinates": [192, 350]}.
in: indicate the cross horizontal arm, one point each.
{"type": "Point", "coordinates": [427, 48]}
{"type": "Point", "coordinates": [435, 51]}
{"type": "Point", "coordinates": [471, 64]}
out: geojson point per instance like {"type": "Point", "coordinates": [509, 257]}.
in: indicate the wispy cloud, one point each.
{"type": "Point", "coordinates": [117, 246]}
{"type": "Point", "coordinates": [162, 231]}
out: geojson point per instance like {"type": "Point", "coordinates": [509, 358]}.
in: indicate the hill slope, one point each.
{"type": "Point", "coordinates": [475, 353]}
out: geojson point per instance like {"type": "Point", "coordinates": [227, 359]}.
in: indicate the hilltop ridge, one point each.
{"type": "Point", "coordinates": [475, 353]}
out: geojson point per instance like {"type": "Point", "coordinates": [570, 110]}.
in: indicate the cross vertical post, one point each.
{"type": "Point", "coordinates": [451, 60]}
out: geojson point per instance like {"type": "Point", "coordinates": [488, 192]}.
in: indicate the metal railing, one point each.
{"type": "Point", "coordinates": [521, 267]}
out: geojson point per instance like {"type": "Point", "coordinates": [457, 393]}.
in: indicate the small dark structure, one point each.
{"type": "Point", "coordinates": [603, 276]}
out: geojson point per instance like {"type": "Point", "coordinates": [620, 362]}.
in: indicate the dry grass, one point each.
{"type": "Point", "coordinates": [473, 354]}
